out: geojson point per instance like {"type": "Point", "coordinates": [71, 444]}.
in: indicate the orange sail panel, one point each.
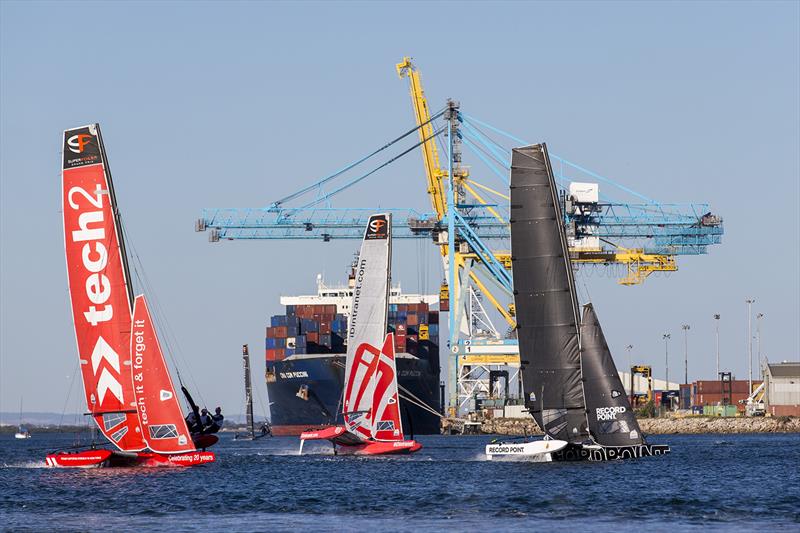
{"type": "Point", "coordinates": [385, 406]}
{"type": "Point", "coordinates": [164, 428]}
{"type": "Point", "coordinates": [98, 287]}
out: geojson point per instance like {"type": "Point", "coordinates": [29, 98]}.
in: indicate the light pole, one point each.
{"type": "Point", "coordinates": [630, 365]}
{"type": "Point", "coordinates": [759, 316]}
{"type": "Point", "coordinates": [666, 337]}
{"type": "Point", "coordinates": [716, 319]}
{"type": "Point", "coordinates": [749, 303]}
{"type": "Point", "coordinates": [686, 328]}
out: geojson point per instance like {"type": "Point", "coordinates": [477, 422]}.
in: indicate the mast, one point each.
{"type": "Point", "coordinates": [248, 390]}
{"type": "Point", "coordinates": [117, 221]}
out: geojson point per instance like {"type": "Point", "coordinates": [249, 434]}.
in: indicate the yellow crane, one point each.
{"type": "Point", "coordinates": [639, 264]}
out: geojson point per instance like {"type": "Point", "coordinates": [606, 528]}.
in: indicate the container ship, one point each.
{"type": "Point", "coordinates": [305, 359]}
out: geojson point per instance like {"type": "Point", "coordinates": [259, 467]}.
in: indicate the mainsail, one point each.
{"type": "Point", "coordinates": [367, 326]}
{"type": "Point", "coordinates": [545, 299]}
{"type": "Point", "coordinates": [99, 287]}
{"type": "Point", "coordinates": [611, 420]}
{"type": "Point", "coordinates": [160, 415]}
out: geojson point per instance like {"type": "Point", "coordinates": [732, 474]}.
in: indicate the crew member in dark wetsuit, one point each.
{"type": "Point", "coordinates": [216, 421]}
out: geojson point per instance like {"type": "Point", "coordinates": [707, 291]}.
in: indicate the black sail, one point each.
{"type": "Point", "coordinates": [611, 419]}
{"type": "Point", "coordinates": [545, 299]}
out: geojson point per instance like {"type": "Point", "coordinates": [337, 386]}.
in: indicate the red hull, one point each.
{"type": "Point", "coordinates": [108, 458]}
{"type": "Point", "coordinates": [351, 444]}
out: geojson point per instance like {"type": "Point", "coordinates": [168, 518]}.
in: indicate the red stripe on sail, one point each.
{"type": "Point", "coordinates": [385, 404]}
{"type": "Point", "coordinates": [98, 289]}
{"type": "Point", "coordinates": [160, 415]}
{"type": "Point", "coordinates": [358, 395]}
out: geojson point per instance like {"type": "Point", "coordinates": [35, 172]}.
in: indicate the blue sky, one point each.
{"type": "Point", "coordinates": [237, 104]}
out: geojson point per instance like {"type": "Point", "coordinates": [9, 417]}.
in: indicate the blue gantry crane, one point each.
{"type": "Point", "coordinates": [468, 221]}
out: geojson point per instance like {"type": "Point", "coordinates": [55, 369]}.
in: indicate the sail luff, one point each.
{"type": "Point", "coordinates": [545, 299]}
{"type": "Point", "coordinates": [611, 419]}
{"type": "Point", "coordinates": [98, 287]}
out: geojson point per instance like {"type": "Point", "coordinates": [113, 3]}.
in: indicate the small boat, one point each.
{"type": "Point", "coordinates": [128, 388]}
{"type": "Point", "coordinates": [22, 431]}
{"type": "Point", "coordinates": [570, 381]}
{"type": "Point", "coordinates": [251, 433]}
{"type": "Point", "coordinates": [371, 412]}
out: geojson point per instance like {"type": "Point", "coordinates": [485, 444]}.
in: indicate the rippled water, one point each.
{"type": "Point", "coordinates": [723, 482]}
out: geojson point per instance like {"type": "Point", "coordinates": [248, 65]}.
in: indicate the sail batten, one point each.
{"type": "Point", "coordinates": [548, 323]}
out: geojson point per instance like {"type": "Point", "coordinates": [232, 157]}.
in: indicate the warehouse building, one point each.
{"type": "Point", "coordinates": [783, 389]}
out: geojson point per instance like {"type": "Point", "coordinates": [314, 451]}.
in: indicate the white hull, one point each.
{"type": "Point", "coordinates": [539, 449]}
{"type": "Point", "coordinates": [22, 435]}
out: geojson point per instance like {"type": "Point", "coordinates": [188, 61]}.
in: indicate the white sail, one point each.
{"type": "Point", "coordinates": [367, 327]}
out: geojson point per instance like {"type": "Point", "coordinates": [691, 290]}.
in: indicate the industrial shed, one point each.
{"type": "Point", "coordinates": [783, 389]}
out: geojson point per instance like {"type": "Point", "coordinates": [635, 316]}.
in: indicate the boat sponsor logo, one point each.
{"type": "Point", "coordinates": [76, 143]}
{"type": "Point", "coordinates": [81, 147]}
{"type": "Point", "coordinates": [498, 449]}
{"type": "Point", "coordinates": [609, 413]}
{"type": "Point", "coordinates": [377, 228]}
{"type": "Point", "coordinates": [293, 375]}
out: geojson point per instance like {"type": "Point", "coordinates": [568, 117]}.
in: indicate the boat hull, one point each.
{"type": "Point", "coordinates": [351, 444]}
{"type": "Point", "coordinates": [562, 451]}
{"type": "Point", "coordinates": [102, 458]}
{"type": "Point", "coordinates": [536, 448]}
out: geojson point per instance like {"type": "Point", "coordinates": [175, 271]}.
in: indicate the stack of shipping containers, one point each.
{"type": "Point", "coordinates": [318, 329]}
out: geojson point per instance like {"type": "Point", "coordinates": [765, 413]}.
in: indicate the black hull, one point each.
{"type": "Point", "coordinates": [322, 376]}
{"type": "Point", "coordinates": [607, 453]}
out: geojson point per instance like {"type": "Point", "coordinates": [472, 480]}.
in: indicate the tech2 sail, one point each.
{"type": "Point", "coordinates": [99, 287]}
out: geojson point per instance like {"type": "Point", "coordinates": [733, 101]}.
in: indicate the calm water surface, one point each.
{"type": "Point", "coordinates": [721, 482]}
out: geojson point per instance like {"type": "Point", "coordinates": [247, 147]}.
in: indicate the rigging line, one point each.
{"type": "Point", "coordinates": [488, 137]}
{"type": "Point", "coordinates": [488, 189]}
{"type": "Point", "coordinates": [69, 393]}
{"type": "Point", "coordinates": [501, 154]}
{"type": "Point", "coordinates": [501, 132]}
{"type": "Point", "coordinates": [477, 150]}
{"type": "Point", "coordinates": [479, 144]}
{"type": "Point", "coordinates": [373, 171]}
{"type": "Point", "coordinates": [354, 164]}
{"type": "Point", "coordinates": [163, 324]}
{"type": "Point", "coordinates": [562, 160]}
{"type": "Point", "coordinates": [409, 396]}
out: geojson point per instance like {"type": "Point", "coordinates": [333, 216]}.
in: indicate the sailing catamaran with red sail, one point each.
{"type": "Point", "coordinates": [371, 412]}
{"type": "Point", "coordinates": [129, 392]}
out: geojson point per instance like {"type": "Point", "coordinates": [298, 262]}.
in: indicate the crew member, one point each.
{"type": "Point", "coordinates": [216, 421]}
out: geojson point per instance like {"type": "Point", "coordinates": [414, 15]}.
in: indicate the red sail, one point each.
{"type": "Point", "coordinates": [385, 407]}
{"type": "Point", "coordinates": [160, 413]}
{"type": "Point", "coordinates": [98, 288]}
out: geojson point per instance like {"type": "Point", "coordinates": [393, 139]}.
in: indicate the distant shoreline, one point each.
{"type": "Point", "coordinates": [664, 426]}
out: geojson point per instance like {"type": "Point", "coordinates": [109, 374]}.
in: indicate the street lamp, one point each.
{"type": "Point", "coordinates": [716, 319]}
{"type": "Point", "coordinates": [749, 303]}
{"type": "Point", "coordinates": [759, 316]}
{"type": "Point", "coordinates": [666, 337]}
{"type": "Point", "coordinates": [630, 364]}
{"type": "Point", "coordinates": [686, 328]}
